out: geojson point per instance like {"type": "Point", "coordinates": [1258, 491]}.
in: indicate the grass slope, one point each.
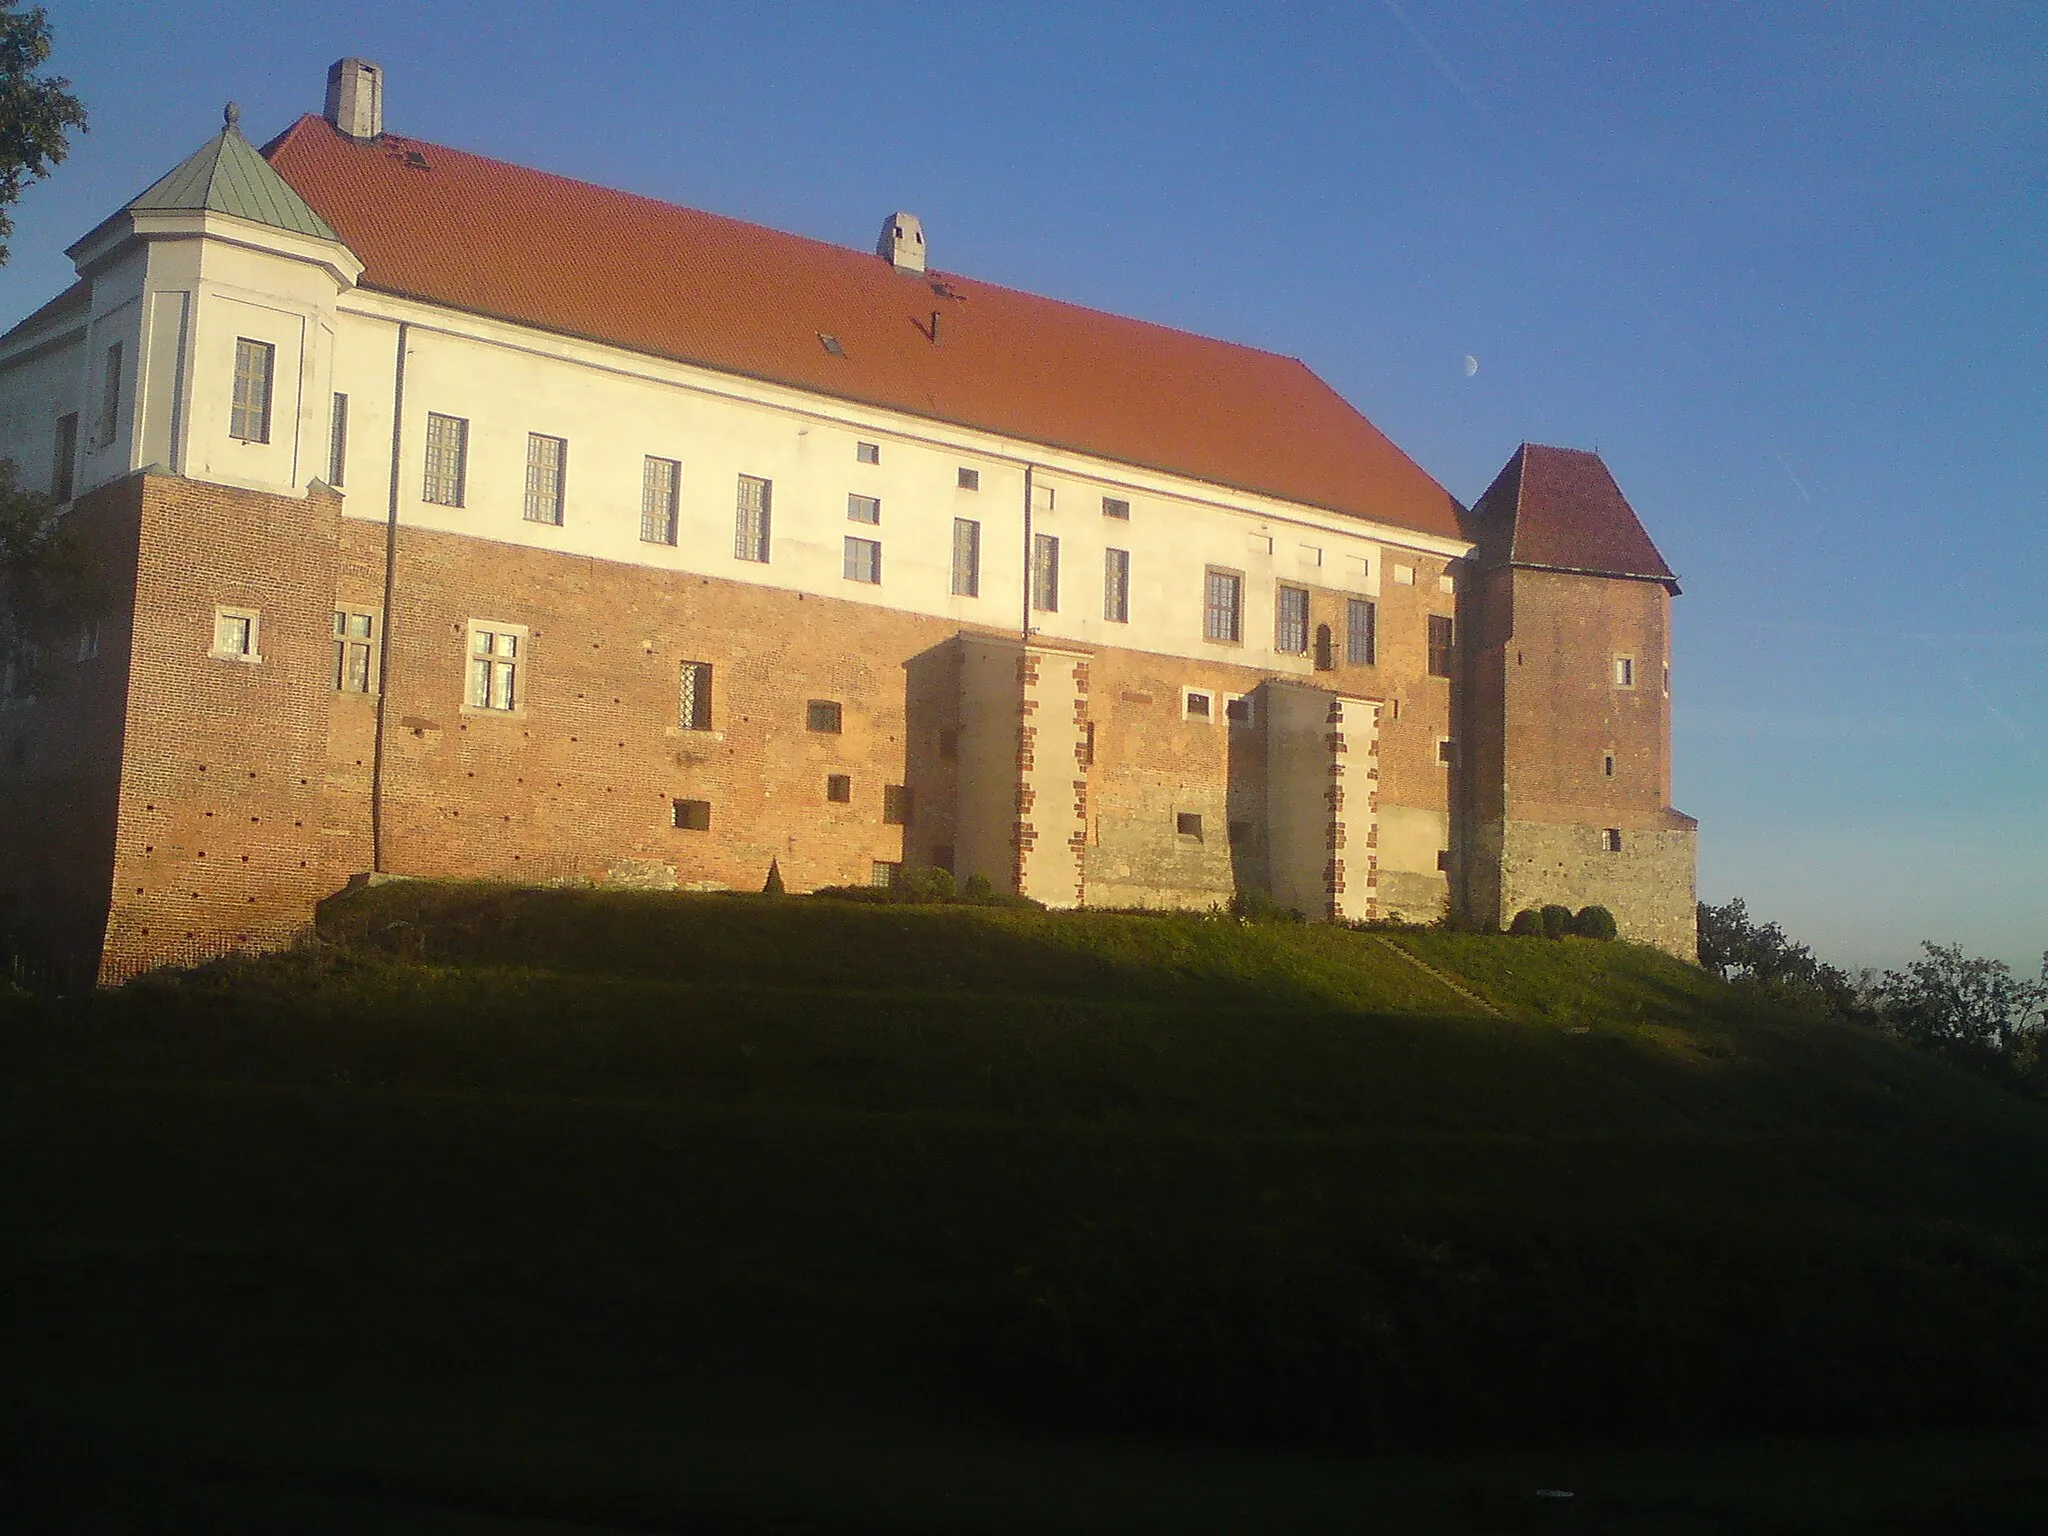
{"type": "Point", "coordinates": [719, 1161]}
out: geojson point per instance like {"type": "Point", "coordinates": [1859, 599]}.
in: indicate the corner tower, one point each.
{"type": "Point", "coordinates": [1567, 782]}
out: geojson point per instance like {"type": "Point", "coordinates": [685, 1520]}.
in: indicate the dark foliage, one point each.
{"type": "Point", "coordinates": [773, 886]}
{"type": "Point", "coordinates": [1557, 921]}
{"type": "Point", "coordinates": [1257, 906]}
{"type": "Point", "coordinates": [1528, 924]}
{"type": "Point", "coordinates": [1595, 923]}
{"type": "Point", "coordinates": [1973, 1012]}
{"type": "Point", "coordinates": [37, 113]}
{"type": "Point", "coordinates": [49, 585]}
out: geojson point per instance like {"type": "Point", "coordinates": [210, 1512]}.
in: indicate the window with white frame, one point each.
{"type": "Point", "coordinates": [863, 561]}
{"type": "Point", "coordinates": [249, 413]}
{"type": "Point", "coordinates": [355, 656]}
{"type": "Point", "coordinates": [1198, 704]}
{"type": "Point", "coordinates": [1624, 671]}
{"type": "Point", "coordinates": [1045, 573]}
{"type": "Point", "coordinates": [497, 653]}
{"type": "Point", "coordinates": [863, 509]}
{"type": "Point", "coordinates": [660, 483]}
{"type": "Point", "coordinates": [966, 557]}
{"type": "Point", "coordinates": [868, 453]}
{"type": "Point", "coordinates": [693, 696]}
{"type": "Point", "coordinates": [1290, 621]}
{"type": "Point", "coordinates": [968, 479]}
{"type": "Point", "coordinates": [237, 634]}
{"type": "Point", "coordinates": [1116, 585]}
{"type": "Point", "coordinates": [547, 473]}
{"type": "Point", "coordinates": [1223, 606]}
{"type": "Point", "coordinates": [750, 521]}
{"type": "Point", "coordinates": [447, 460]}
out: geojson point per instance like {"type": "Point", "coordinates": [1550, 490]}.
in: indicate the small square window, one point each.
{"type": "Point", "coordinates": [839, 788]}
{"type": "Point", "coordinates": [235, 635]}
{"type": "Point", "coordinates": [1610, 839]}
{"type": "Point", "coordinates": [1188, 824]}
{"type": "Point", "coordinates": [970, 479]}
{"type": "Point", "coordinates": [1624, 671]}
{"type": "Point", "coordinates": [868, 453]}
{"type": "Point", "coordinates": [863, 561]}
{"type": "Point", "coordinates": [1197, 705]}
{"type": "Point", "coordinates": [690, 815]}
{"type": "Point", "coordinates": [864, 509]}
{"type": "Point", "coordinates": [823, 715]}
{"type": "Point", "coordinates": [1404, 575]}
{"type": "Point", "coordinates": [1443, 859]}
{"type": "Point", "coordinates": [899, 805]}
{"type": "Point", "coordinates": [1116, 507]}
{"type": "Point", "coordinates": [882, 875]}
{"type": "Point", "coordinates": [1446, 752]}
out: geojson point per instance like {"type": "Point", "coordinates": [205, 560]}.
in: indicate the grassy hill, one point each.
{"type": "Point", "coordinates": [501, 1189]}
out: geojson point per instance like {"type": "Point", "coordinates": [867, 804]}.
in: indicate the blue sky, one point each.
{"type": "Point", "coordinates": [1779, 263]}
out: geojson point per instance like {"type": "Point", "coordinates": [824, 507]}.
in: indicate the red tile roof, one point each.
{"type": "Point", "coordinates": [579, 260]}
{"type": "Point", "coordinates": [1560, 508]}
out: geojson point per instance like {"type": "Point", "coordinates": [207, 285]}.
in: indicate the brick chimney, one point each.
{"type": "Point", "coordinates": [355, 98]}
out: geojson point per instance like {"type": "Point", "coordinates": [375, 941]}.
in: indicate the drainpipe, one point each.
{"type": "Point", "coordinates": [390, 597]}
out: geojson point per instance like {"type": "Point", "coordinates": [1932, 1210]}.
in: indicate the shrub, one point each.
{"type": "Point", "coordinates": [1595, 923]}
{"type": "Point", "coordinates": [977, 888]}
{"type": "Point", "coordinates": [1257, 906]}
{"type": "Point", "coordinates": [1528, 924]}
{"type": "Point", "coordinates": [1557, 921]}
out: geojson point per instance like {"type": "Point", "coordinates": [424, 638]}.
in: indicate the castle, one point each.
{"type": "Point", "coordinates": [458, 519]}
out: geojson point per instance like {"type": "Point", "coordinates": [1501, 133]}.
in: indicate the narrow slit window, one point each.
{"type": "Point", "coordinates": [660, 482]}
{"type": "Point", "coordinates": [249, 416]}
{"type": "Point", "coordinates": [337, 443]}
{"type": "Point", "coordinates": [1624, 671]}
{"type": "Point", "coordinates": [1443, 640]}
{"type": "Point", "coordinates": [64, 468]}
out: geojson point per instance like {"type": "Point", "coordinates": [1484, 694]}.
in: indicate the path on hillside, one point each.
{"type": "Point", "coordinates": [1442, 978]}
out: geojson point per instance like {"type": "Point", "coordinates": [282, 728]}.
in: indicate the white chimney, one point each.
{"type": "Point", "coordinates": [355, 98]}
{"type": "Point", "coordinates": [902, 242]}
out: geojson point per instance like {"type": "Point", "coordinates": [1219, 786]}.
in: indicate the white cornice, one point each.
{"type": "Point", "coordinates": [150, 224]}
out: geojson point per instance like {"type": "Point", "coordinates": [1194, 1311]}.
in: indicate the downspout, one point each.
{"type": "Point", "coordinates": [1028, 567]}
{"type": "Point", "coordinates": [390, 596]}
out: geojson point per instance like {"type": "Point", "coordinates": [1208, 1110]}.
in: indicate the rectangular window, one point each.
{"type": "Point", "coordinates": [1624, 671]}
{"type": "Point", "coordinates": [494, 662]}
{"type": "Point", "coordinates": [750, 523]}
{"type": "Point", "coordinates": [63, 468]}
{"type": "Point", "coordinates": [693, 696]}
{"type": "Point", "coordinates": [236, 634]}
{"type": "Point", "coordinates": [839, 788]}
{"type": "Point", "coordinates": [864, 509]}
{"type": "Point", "coordinates": [690, 815]}
{"type": "Point", "coordinates": [966, 557]}
{"type": "Point", "coordinates": [1223, 607]}
{"type": "Point", "coordinates": [970, 479]}
{"type": "Point", "coordinates": [354, 651]}
{"type": "Point", "coordinates": [1607, 764]}
{"type": "Point", "coordinates": [660, 483]}
{"type": "Point", "coordinates": [863, 561]}
{"type": "Point", "coordinates": [447, 460]}
{"type": "Point", "coordinates": [1195, 704]}
{"type": "Point", "coordinates": [1446, 752]}
{"type": "Point", "coordinates": [110, 393]}
{"type": "Point", "coordinates": [898, 805]}
{"type": "Point", "coordinates": [1188, 824]}
{"type": "Point", "coordinates": [824, 715]}
{"type": "Point", "coordinates": [1117, 507]}
{"type": "Point", "coordinates": [547, 467]}
{"type": "Point", "coordinates": [882, 876]}
{"type": "Point", "coordinates": [249, 416]}
{"type": "Point", "coordinates": [337, 443]}
{"type": "Point", "coordinates": [1443, 639]}
{"type": "Point", "coordinates": [1045, 573]}
{"type": "Point", "coordinates": [868, 453]}
{"type": "Point", "coordinates": [1290, 621]}
{"type": "Point", "coordinates": [1361, 632]}
{"type": "Point", "coordinates": [1116, 585]}
{"type": "Point", "coordinates": [1610, 840]}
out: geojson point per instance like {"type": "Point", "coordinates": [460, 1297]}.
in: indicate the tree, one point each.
{"type": "Point", "coordinates": [1971, 1010]}
{"type": "Point", "coordinates": [50, 588]}
{"type": "Point", "coordinates": [36, 112]}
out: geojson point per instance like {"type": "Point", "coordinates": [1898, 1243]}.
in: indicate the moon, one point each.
{"type": "Point", "coordinates": [1471, 365]}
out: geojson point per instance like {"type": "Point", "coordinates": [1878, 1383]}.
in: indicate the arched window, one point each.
{"type": "Point", "coordinates": [1326, 659]}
